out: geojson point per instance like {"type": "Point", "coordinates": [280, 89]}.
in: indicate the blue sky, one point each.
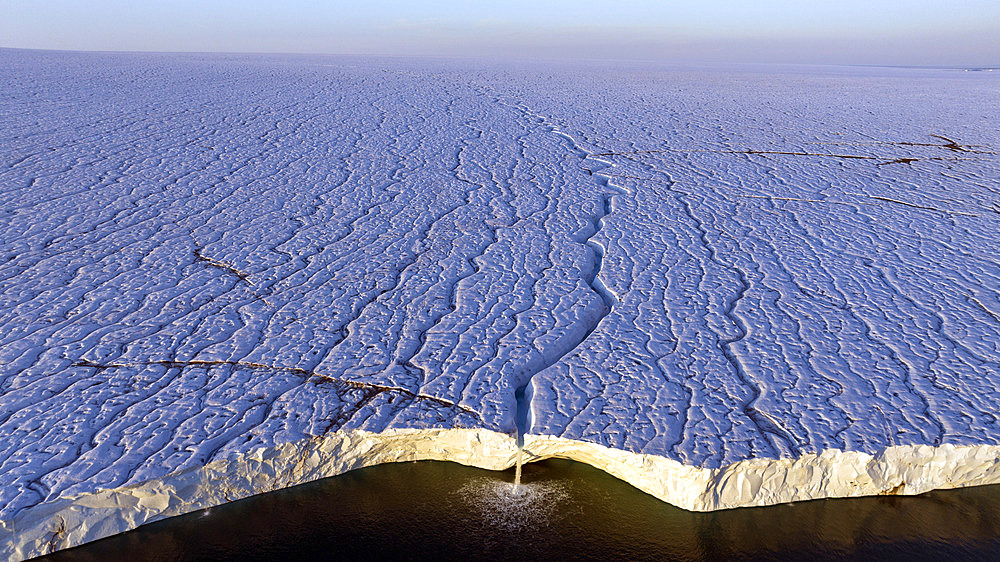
{"type": "Point", "coordinates": [837, 31]}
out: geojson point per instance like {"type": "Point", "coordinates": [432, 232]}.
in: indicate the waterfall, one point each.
{"type": "Point", "coordinates": [517, 469]}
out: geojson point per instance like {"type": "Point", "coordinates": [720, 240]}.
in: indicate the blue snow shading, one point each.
{"type": "Point", "coordinates": [202, 255]}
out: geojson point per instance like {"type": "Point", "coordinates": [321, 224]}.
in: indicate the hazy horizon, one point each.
{"type": "Point", "coordinates": [881, 32]}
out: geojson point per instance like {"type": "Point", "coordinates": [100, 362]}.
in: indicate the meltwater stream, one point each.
{"type": "Point", "coordinates": [517, 468]}
{"type": "Point", "coordinates": [562, 510]}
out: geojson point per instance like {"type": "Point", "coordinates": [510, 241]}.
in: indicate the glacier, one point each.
{"type": "Point", "coordinates": [727, 285]}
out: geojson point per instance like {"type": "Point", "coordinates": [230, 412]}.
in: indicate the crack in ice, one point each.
{"type": "Point", "coordinates": [522, 394]}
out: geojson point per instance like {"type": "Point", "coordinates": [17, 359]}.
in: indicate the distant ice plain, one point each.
{"type": "Point", "coordinates": [206, 258]}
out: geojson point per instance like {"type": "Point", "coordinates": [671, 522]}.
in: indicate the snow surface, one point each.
{"type": "Point", "coordinates": [206, 257]}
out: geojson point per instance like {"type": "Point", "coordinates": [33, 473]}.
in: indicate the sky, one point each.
{"type": "Point", "coordinates": [899, 32]}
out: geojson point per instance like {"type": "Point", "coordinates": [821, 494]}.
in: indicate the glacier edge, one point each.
{"type": "Point", "coordinates": [898, 470]}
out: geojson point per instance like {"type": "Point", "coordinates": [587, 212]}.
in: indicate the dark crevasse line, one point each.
{"type": "Point", "coordinates": [523, 394]}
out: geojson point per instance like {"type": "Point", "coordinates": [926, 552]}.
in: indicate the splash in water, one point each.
{"type": "Point", "coordinates": [513, 506]}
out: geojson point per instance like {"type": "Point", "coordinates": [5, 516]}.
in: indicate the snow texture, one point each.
{"type": "Point", "coordinates": [206, 257]}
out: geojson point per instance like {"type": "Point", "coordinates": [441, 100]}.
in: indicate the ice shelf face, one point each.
{"type": "Point", "coordinates": [729, 287]}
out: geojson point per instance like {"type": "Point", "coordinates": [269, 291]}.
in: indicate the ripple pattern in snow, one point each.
{"type": "Point", "coordinates": [204, 256]}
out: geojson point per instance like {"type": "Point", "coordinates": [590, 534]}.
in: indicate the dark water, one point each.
{"type": "Point", "coordinates": [567, 510]}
